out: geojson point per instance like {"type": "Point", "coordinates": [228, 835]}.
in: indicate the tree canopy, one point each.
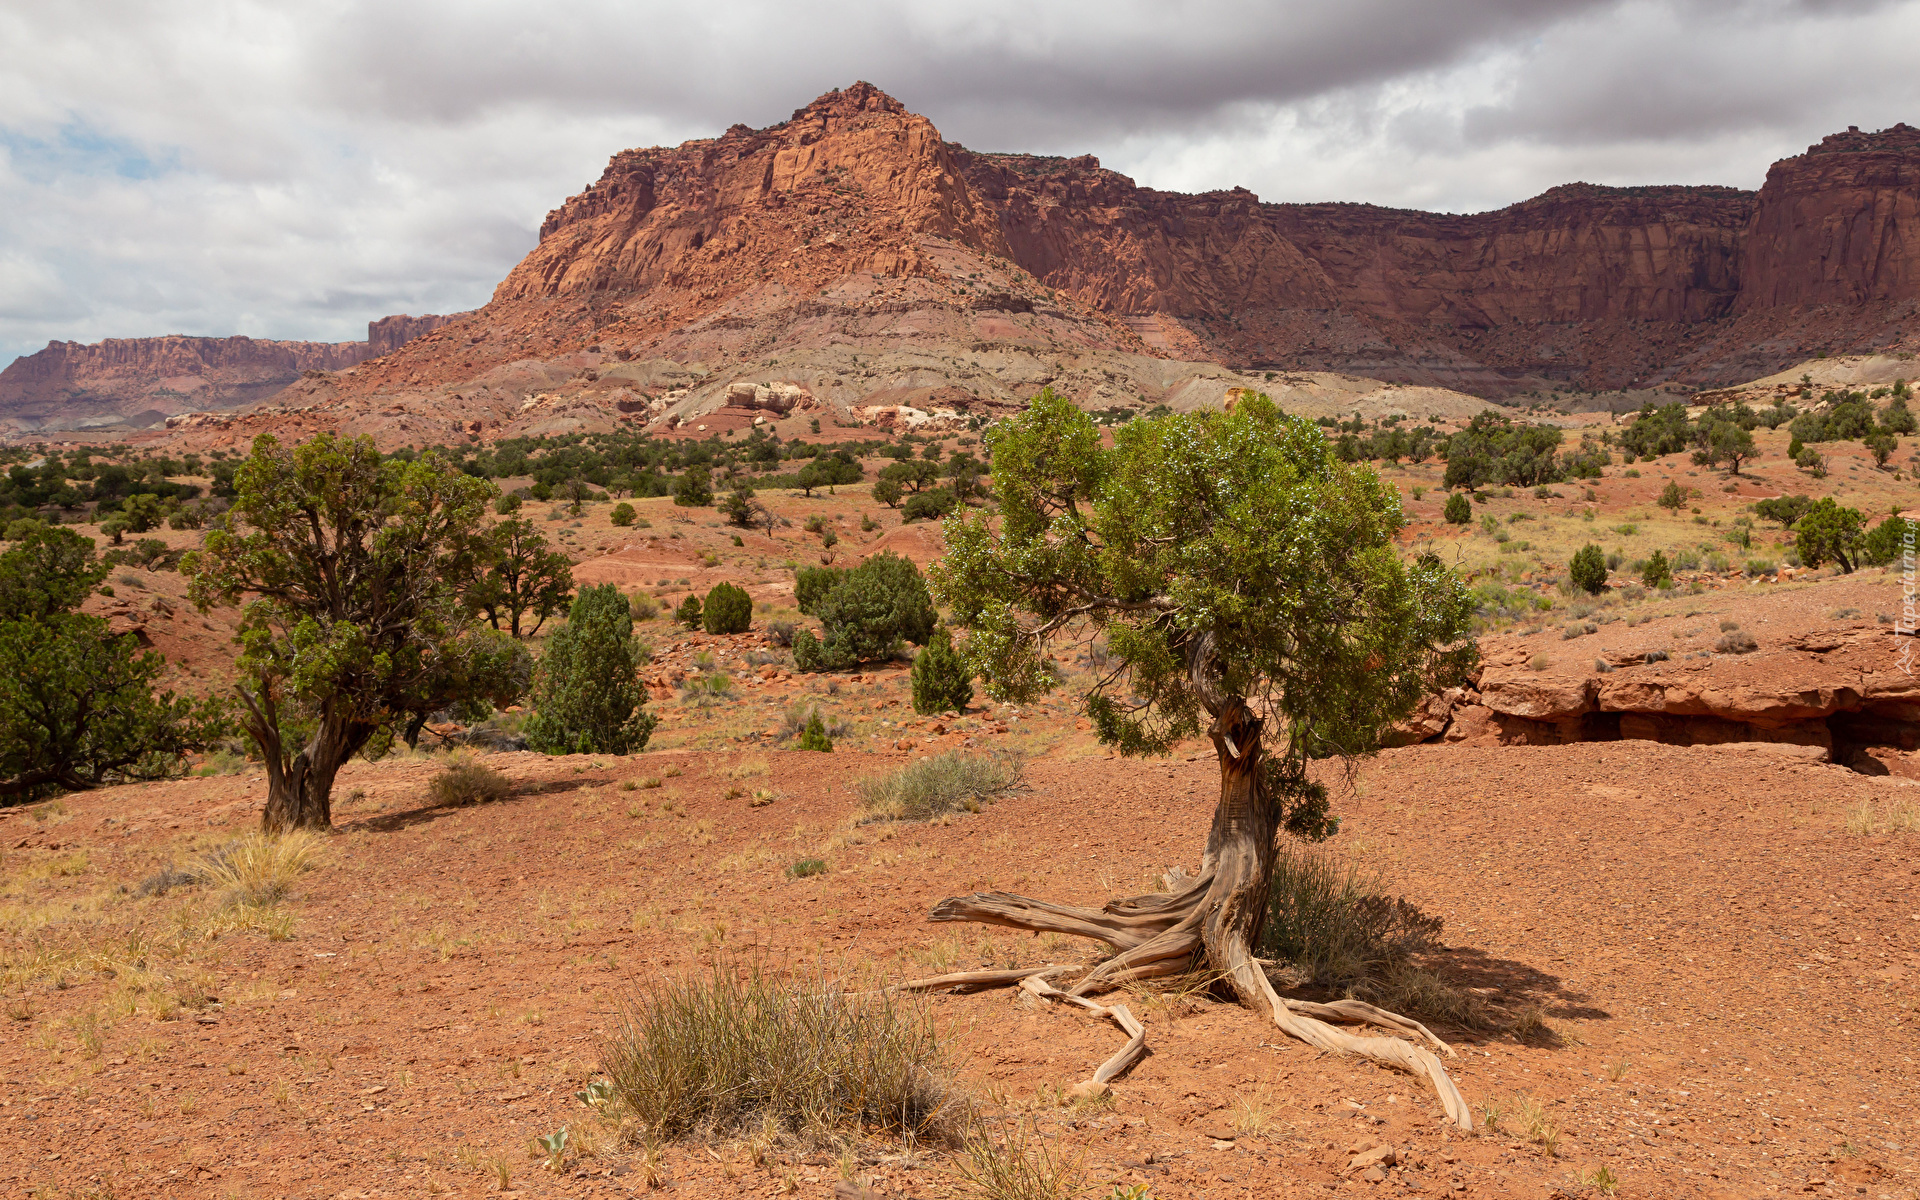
{"type": "Point", "coordinates": [77, 705]}
{"type": "Point", "coordinates": [352, 572]}
{"type": "Point", "coordinates": [1239, 537]}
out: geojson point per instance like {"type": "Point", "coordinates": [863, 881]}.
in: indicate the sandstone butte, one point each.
{"type": "Point", "coordinates": [855, 255]}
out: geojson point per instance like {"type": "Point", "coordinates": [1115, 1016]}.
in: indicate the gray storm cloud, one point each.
{"type": "Point", "coordinates": [292, 171]}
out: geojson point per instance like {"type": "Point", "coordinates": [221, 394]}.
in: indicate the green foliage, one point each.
{"type": "Point", "coordinates": [887, 491]}
{"type": "Point", "coordinates": [1811, 461]}
{"type": "Point", "coordinates": [1492, 449]}
{"type": "Point", "coordinates": [1673, 497]}
{"type": "Point", "coordinates": [77, 706]}
{"type": "Point", "coordinates": [1458, 511]}
{"type": "Point", "coordinates": [1588, 570]}
{"type": "Point", "coordinates": [811, 585]}
{"type": "Point", "coordinates": [694, 489]}
{"type": "Point", "coordinates": [738, 507]}
{"type": "Point", "coordinates": [1889, 540]}
{"type": "Point", "coordinates": [1335, 927]}
{"type": "Point", "coordinates": [940, 678]}
{"type": "Point", "coordinates": [814, 736]}
{"type": "Point", "coordinates": [623, 514]}
{"type": "Point", "coordinates": [867, 615]}
{"type": "Point", "coordinates": [1657, 430]}
{"type": "Point", "coordinates": [588, 698]}
{"type": "Point", "coordinates": [728, 610]}
{"type": "Point", "coordinates": [1829, 533]}
{"type": "Point", "coordinates": [929, 505]}
{"type": "Point", "coordinates": [1784, 509]}
{"type": "Point", "coordinates": [1235, 536]}
{"type": "Point", "coordinates": [1881, 444]}
{"type": "Point", "coordinates": [688, 613]}
{"type": "Point", "coordinates": [142, 513]}
{"type": "Point", "coordinates": [520, 578]}
{"type": "Point", "coordinates": [1897, 418]}
{"type": "Point", "coordinates": [353, 573]}
{"type": "Point", "coordinates": [1723, 441]}
{"type": "Point", "coordinates": [1657, 572]}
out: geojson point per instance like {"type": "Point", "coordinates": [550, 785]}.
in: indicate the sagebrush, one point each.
{"type": "Point", "coordinates": [932, 786]}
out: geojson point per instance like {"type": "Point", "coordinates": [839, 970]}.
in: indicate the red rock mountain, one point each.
{"type": "Point", "coordinates": [854, 254]}
{"type": "Point", "coordinates": [856, 199]}
{"type": "Point", "coordinates": [139, 381]}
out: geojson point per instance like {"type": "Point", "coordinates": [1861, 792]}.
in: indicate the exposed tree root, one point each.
{"type": "Point", "coordinates": [975, 980]}
{"type": "Point", "coordinates": [1132, 1052]}
{"type": "Point", "coordinates": [1210, 922]}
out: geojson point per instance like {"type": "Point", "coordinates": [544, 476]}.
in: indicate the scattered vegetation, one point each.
{"type": "Point", "coordinates": [468, 781]}
{"type": "Point", "coordinates": [259, 869]}
{"type": "Point", "coordinates": [942, 784]}
{"type": "Point", "coordinates": [805, 1060]}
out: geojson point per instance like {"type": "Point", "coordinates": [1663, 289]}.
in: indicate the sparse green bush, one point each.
{"type": "Point", "coordinates": [939, 676]}
{"type": "Point", "coordinates": [805, 867]}
{"type": "Point", "coordinates": [468, 782]}
{"type": "Point", "coordinates": [622, 514]}
{"type": "Point", "coordinates": [929, 505]}
{"type": "Point", "coordinates": [728, 610]}
{"type": "Point", "coordinates": [1657, 573]}
{"type": "Point", "coordinates": [588, 698]}
{"type": "Point", "coordinates": [933, 786]}
{"type": "Point", "coordinates": [805, 1058]}
{"type": "Point", "coordinates": [1588, 570]}
{"type": "Point", "coordinates": [1458, 511]}
{"type": "Point", "coordinates": [814, 736]}
{"type": "Point", "coordinates": [867, 615]}
{"type": "Point", "coordinates": [688, 613]}
{"type": "Point", "coordinates": [642, 607]}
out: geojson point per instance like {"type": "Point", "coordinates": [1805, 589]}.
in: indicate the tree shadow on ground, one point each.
{"type": "Point", "coordinates": [1511, 988]}
{"type": "Point", "coordinates": [426, 814]}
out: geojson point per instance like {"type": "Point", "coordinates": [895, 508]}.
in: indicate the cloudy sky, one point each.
{"type": "Point", "coordinates": [293, 170]}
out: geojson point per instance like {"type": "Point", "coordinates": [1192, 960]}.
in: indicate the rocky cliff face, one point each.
{"type": "Point", "coordinates": [139, 381]}
{"type": "Point", "coordinates": [1584, 286]}
{"type": "Point", "coordinates": [1839, 224]}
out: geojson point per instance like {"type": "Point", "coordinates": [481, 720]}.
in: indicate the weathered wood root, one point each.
{"type": "Point", "coordinates": [1159, 935]}
{"type": "Point", "coordinates": [1120, 1014]}
{"type": "Point", "coordinates": [974, 980]}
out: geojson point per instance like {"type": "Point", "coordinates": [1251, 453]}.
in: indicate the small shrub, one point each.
{"type": "Point", "coordinates": [642, 607]}
{"type": "Point", "coordinates": [468, 782]}
{"type": "Point", "coordinates": [1458, 511]}
{"type": "Point", "coordinates": [1539, 662]}
{"type": "Point", "coordinates": [688, 613]}
{"type": "Point", "coordinates": [623, 514]}
{"type": "Point", "coordinates": [1588, 570]}
{"type": "Point", "coordinates": [1738, 641]}
{"type": "Point", "coordinates": [1657, 573]}
{"type": "Point", "coordinates": [728, 610]}
{"type": "Point", "coordinates": [814, 736]}
{"type": "Point", "coordinates": [1334, 927]}
{"type": "Point", "coordinates": [805, 867]}
{"type": "Point", "coordinates": [780, 632]}
{"type": "Point", "coordinates": [1023, 1164]}
{"type": "Point", "coordinates": [940, 678]}
{"type": "Point", "coordinates": [806, 1059]}
{"type": "Point", "coordinates": [931, 504]}
{"type": "Point", "coordinates": [933, 786]}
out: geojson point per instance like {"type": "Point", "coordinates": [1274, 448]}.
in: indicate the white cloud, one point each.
{"type": "Point", "coordinates": [293, 171]}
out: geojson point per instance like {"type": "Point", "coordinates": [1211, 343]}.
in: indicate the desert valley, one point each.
{"type": "Point", "coordinates": [1614, 889]}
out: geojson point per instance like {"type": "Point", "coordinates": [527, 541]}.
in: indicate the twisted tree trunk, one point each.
{"type": "Point", "coordinates": [1215, 919]}
{"type": "Point", "coordinates": [300, 789]}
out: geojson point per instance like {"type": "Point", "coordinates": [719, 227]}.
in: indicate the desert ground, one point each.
{"type": "Point", "coordinates": [1694, 970]}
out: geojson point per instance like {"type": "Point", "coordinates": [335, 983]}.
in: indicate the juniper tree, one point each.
{"type": "Point", "coordinates": [588, 698]}
{"type": "Point", "coordinates": [352, 572]}
{"type": "Point", "coordinates": [1248, 586]}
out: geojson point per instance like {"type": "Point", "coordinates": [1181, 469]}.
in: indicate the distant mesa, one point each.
{"type": "Point", "coordinates": [139, 382]}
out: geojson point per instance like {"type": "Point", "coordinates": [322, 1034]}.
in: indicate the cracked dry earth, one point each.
{"type": "Point", "coordinates": [1726, 977]}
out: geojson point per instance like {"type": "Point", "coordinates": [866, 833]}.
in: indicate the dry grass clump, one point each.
{"type": "Point", "coordinates": [1528, 1117]}
{"type": "Point", "coordinates": [1896, 816]}
{"type": "Point", "coordinates": [933, 786]}
{"type": "Point", "coordinates": [258, 870]}
{"type": "Point", "coordinates": [468, 782]}
{"type": "Point", "coordinates": [1020, 1164]}
{"type": "Point", "coordinates": [802, 1059]}
{"type": "Point", "coordinates": [1332, 927]}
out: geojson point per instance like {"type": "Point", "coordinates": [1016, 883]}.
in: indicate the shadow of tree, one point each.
{"type": "Point", "coordinates": [426, 814]}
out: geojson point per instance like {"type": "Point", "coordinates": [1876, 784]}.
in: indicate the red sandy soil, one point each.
{"type": "Point", "coordinates": [1727, 976]}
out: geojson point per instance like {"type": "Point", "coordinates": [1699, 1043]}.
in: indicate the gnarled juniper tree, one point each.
{"type": "Point", "coordinates": [1248, 585]}
{"type": "Point", "coordinates": [352, 572]}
